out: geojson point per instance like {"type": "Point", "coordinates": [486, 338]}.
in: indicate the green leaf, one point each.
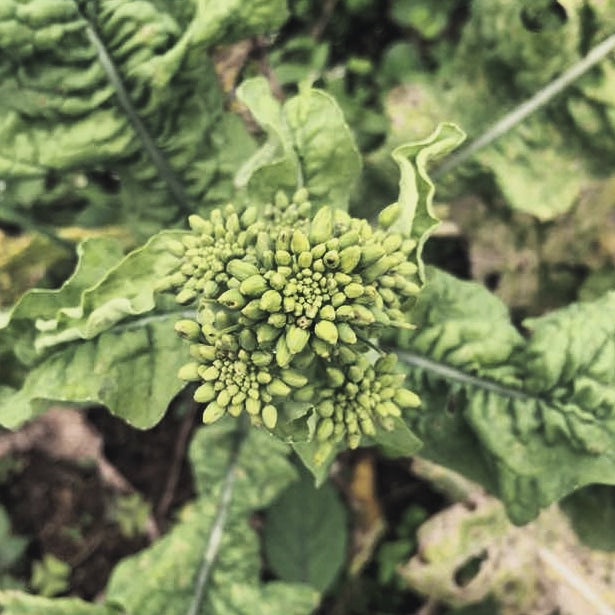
{"type": "Point", "coordinates": [105, 337]}
{"type": "Point", "coordinates": [306, 451]}
{"type": "Point", "coordinates": [50, 576]}
{"type": "Point", "coordinates": [305, 534]}
{"type": "Point", "coordinates": [122, 87]}
{"type": "Point", "coordinates": [397, 442]}
{"type": "Point", "coordinates": [531, 419]}
{"type": "Point", "coordinates": [308, 144]}
{"type": "Point", "coordinates": [249, 470]}
{"type": "Point", "coordinates": [416, 190]}
{"type": "Point", "coordinates": [18, 603]}
{"type": "Point", "coordinates": [131, 369]}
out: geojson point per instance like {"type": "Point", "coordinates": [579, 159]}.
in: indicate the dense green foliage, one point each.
{"type": "Point", "coordinates": [277, 277]}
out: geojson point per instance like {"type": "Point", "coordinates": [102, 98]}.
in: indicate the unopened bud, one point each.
{"type": "Point", "coordinates": [212, 413]}
{"type": "Point", "coordinates": [326, 331]}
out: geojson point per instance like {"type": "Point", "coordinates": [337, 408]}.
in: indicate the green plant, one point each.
{"type": "Point", "coordinates": [295, 324]}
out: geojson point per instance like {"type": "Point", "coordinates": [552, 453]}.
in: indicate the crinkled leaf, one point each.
{"type": "Point", "coordinates": [468, 553]}
{"type": "Point", "coordinates": [112, 85]}
{"type": "Point", "coordinates": [19, 603]}
{"type": "Point", "coordinates": [131, 369]}
{"type": "Point", "coordinates": [305, 534]}
{"type": "Point", "coordinates": [105, 289]}
{"type": "Point", "coordinates": [532, 420]}
{"type": "Point", "coordinates": [162, 578]}
{"type": "Point", "coordinates": [309, 143]}
{"type": "Point", "coordinates": [416, 190]}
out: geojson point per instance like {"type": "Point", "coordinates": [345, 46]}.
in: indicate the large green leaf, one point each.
{"type": "Point", "coordinates": [105, 337]}
{"type": "Point", "coordinates": [309, 144]}
{"type": "Point", "coordinates": [305, 534]}
{"type": "Point", "coordinates": [531, 420]}
{"type": "Point", "coordinates": [120, 87]}
{"type": "Point", "coordinates": [247, 470]}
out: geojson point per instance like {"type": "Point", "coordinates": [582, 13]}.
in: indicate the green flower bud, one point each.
{"type": "Point", "coordinates": [176, 248]}
{"type": "Point", "coordinates": [354, 290]}
{"type": "Point", "coordinates": [335, 377]}
{"type": "Point", "coordinates": [206, 392]}
{"type": "Point", "coordinates": [241, 270]}
{"type": "Point", "coordinates": [349, 238]}
{"type": "Point", "coordinates": [293, 378]}
{"type": "Point", "coordinates": [247, 340]}
{"type": "Point", "coordinates": [375, 270]}
{"type": "Point", "coordinates": [325, 408]}
{"type": "Point", "coordinates": [189, 372]}
{"type": "Point", "coordinates": [367, 427]}
{"type": "Point", "coordinates": [269, 414]}
{"type": "Point", "coordinates": [282, 257]}
{"type": "Point", "coordinates": [310, 311]}
{"type": "Point", "coordinates": [261, 358]}
{"type": "Point", "coordinates": [386, 364]}
{"type": "Point", "coordinates": [331, 259]}
{"type": "Point", "coordinates": [320, 347]}
{"type": "Point", "coordinates": [249, 216]}
{"type": "Point", "coordinates": [346, 355]}
{"type": "Point", "coordinates": [387, 408]}
{"type": "Point", "coordinates": [253, 406]}
{"type": "Point", "coordinates": [350, 258]}
{"type": "Point", "coordinates": [346, 333]}
{"type": "Point", "coordinates": [223, 399]}
{"type": "Point", "coordinates": [279, 388]}
{"type": "Point", "coordinates": [203, 352]}
{"type": "Point", "coordinates": [406, 399]}
{"type": "Point", "coordinates": [371, 253]}
{"type": "Point", "coordinates": [283, 355]}
{"type": "Point", "coordinates": [338, 299]}
{"type": "Point", "coordinates": [212, 413]}
{"type": "Point", "coordinates": [252, 310]}
{"type": "Point", "coordinates": [277, 320]}
{"type": "Point", "coordinates": [324, 430]}
{"type": "Point", "coordinates": [301, 196]}
{"type": "Point", "coordinates": [299, 242]}
{"type": "Point", "coordinates": [326, 331]}
{"type": "Point", "coordinates": [209, 373]}
{"type": "Point", "coordinates": [362, 315]}
{"type": "Point", "coordinates": [238, 398]}
{"type": "Point", "coordinates": [188, 329]}
{"type": "Point", "coordinates": [327, 312]}
{"type": "Point", "coordinates": [305, 393]}
{"type": "Point", "coordinates": [271, 301]}
{"type": "Point", "coordinates": [353, 441]}
{"type": "Point", "coordinates": [304, 260]}
{"type": "Point", "coordinates": [234, 410]}
{"type": "Point", "coordinates": [232, 223]}
{"type": "Point", "coordinates": [392, 243]}
{"type": "Point", "coordinates": [265, 333]}
{"type": "Point", "coordinates": [253, 286]}
{"type": "Point", "coordinates": [263, 377]}
{"type": "Point", "coordinates": [355, 373]}
{"type": "Point", "coordinates": [210, 289]}
{"type": "Point", "coordinates": [318, 251]}
{"type": "Point", "coordinates": [389, 215]}
{"type": "Point", "coordinates": [190, 241]}
{"type": "Point", "coordinates": [281, 199]}
{"type": "Point", "coordinates": [200, 225]}
{"type": "Point", "coordinates": [277, 280]}
{"type": "Point", "coordinates": [232, 299]}
{"type": "Point", "coordinates": [289, 304]}
{"type": "Point", "coordinates": [321, 228]}
{"type": "Point", "coordinates": [186, 295]}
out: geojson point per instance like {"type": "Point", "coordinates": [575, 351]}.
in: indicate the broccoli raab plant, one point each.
{"type": "Point", "coordinates": [299, 327]}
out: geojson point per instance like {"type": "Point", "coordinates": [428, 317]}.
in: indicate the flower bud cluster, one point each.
{"type": "Point", "coordinates": [359, 396]}
{"type": "Point", "coordinates": [285, 299]}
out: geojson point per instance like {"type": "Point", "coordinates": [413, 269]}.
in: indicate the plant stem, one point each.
{"type": "Point", "coordinates": [217, 528]}
{"type": "Point", "coordinates": [541, 98]}
{"type": "Point", "coordinates": [160, 162]}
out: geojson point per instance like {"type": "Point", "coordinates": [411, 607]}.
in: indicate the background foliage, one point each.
{"type": "Point", "coordinates": [120, 118]}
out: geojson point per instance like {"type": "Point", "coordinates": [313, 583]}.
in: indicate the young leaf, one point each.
{"type": "Point", "coordinates": [101, 338]}
{"type": "Point", "coordinates": [242, 471]}
{"type": "Point", "coordinates": [416, 190]}
{"type": "Point", "coordinates": [305, 534]}
{"type": "Point", "coordinates": [530, 420]}
{"type": "Point", "coordinates": [309, 144]}
{"type": "Point", "coordinates": [126, 86]}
